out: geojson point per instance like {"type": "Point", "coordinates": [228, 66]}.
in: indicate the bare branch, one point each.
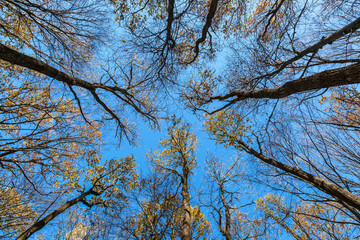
{"type": "Point", "coordinates": [40, 224]}
{"type": "Point", "coordinates": [326, 79]}
{"type": "Point", "coordinates": [352, 27]}
{"type": "Point", "coordinates": [20, 59]}
{"type": "Point", "coordinates": [209, 19]}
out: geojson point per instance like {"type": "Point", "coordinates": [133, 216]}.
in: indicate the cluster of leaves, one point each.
{"type": "Point", "coordinates": [227, 127]}
{"type": "Point", "coordinates": [16, 213]}
{"type": "Point", "coordinates": [306, 220]}
{"type": "Point", "coordinates": [48, 153]}
{"type": "Point", "coordinates": [41, 133]}
{"type": "Point", "coordinates": [162, 220]}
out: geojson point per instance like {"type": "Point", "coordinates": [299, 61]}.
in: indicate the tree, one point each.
{"type": "Point", "coordinates": [292, 60]}
{"type": "Point", "coordinates": [60, 36]}
{"type": "Point", "coordinates": [42, 142]}
{"type": "Point", "coordinates": [43, 152]}
{"type": "Point", "coordinates": [170, 36]}
{"type": "Point", "coordinates": [284, 59]}
{"type": "Point", "coordinates": [224, 193]}
{"type": "Point", "coordinates": [108, 182]}
{"type": "Point", "coordinates": [158, 213]}
{"type": "Point", "coordinates": [156, 210]}
{"type": "Point", "coordinates": [47, 48]}
{"type": "Point", "coordinates": [177, 161]}
{"type": "Point", "coordinates": [226, 127]}
{"type": "Point", "coordinates": [222, 208]}
{"type": "Point", "coordinates": [162, 206]}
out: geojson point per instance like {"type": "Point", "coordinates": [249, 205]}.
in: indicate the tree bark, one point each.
{"type": "Point", "coordinates": [323, 185]}
{"type": "Point", "coordinates": [186, 228]}
{"type": "Point", "coordinates": [20, 59]}
{"type": "Point", "coordinates": [209, 18]}
{"type": "Point", "coordinates": [227, 232]}
{"type": "Point", "coordinates": [326, 79]}
{"type": "Point", "coordinates": [42, 223]}
{"type": "Point", "coordinates": [14, 57]}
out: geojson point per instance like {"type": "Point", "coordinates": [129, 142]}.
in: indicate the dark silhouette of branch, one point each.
{"type": "Point", "coordinates": [14, 57]}
{"type": "Point", "coordinates": [209, 19]}
{"type": "Point", "coordinates": [326, 79]}
{"type": "Point", "coordinates": [352, 27]}
{"type": "Point", "coordinates": [341, 195]}
{"type": "Point", "coordinates": [42, 223]}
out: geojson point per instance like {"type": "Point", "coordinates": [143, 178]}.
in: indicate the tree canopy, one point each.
{"type": "Point", "coordinates": [273, 83]}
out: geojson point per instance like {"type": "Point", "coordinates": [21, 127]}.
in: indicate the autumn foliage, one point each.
{"type": "Point", "coordinates": [273, 84]}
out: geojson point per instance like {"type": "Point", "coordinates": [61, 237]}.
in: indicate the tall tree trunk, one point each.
{"type": "Point", "coordinates": [227, 232]}
{"type": "Point", "coordinates": [186, 232]}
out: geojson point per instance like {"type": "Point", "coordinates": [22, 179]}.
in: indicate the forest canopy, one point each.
{"type": "Point", "coordinates": [271, 86]}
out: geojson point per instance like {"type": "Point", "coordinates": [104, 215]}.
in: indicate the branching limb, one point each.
{"type": "Point", "coordinates": [14, 57]}
{"type": "Point", "coordinates": [271, 16]}
{"type": "Point", "coordinates": [326, 79]}
{"type": "Point", "coordinates": [209, 18]}
{"type": "Point", "coordinates": [352, 27]}
{"type": "Point", "coordinates": [40, 224]}
{"type": "Point", "coordinates": [323, 185]}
